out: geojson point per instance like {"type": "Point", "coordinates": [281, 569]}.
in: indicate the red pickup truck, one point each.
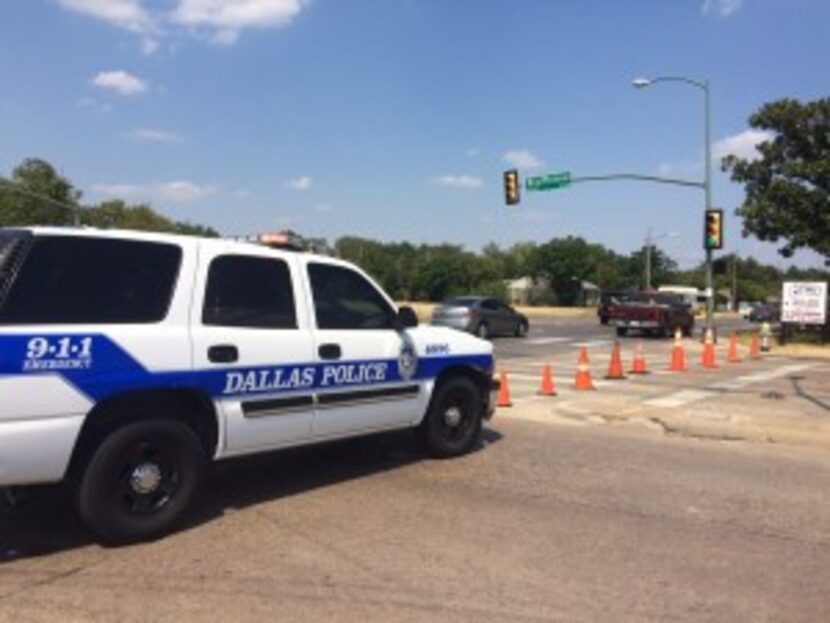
{"type": "Point", "coordinates": [653, 313]}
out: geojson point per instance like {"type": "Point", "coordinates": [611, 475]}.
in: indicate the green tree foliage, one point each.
{"type": "Point", "coordinates": [115, 214]}
{"type": "Point", "coordinates": [36, 194]}
{"type": "Point", "coordinates": [788, 188]}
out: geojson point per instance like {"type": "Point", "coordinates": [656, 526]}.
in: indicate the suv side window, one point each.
{"type": "Point", "coordinates": [253, 292]}
{"type": "Point", "coordinates": [343, 299]}
{"type": "Point", "coordinates": [82, 280]}
{"type": "Point", "coordinates": [489, 304]}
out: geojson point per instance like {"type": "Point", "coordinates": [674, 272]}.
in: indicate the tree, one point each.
{"type": "Point", "coordinates": [25, 198]}
{"type": "Point", "coordinates": [788, 187]}
{"type": "Point", "coordinates": [37, 195]}
{"type": "Point", "coordinates": [117, 214]}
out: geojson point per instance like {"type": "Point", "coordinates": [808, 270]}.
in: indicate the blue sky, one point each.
{"type": "Point", "coordinates": [393, 119]}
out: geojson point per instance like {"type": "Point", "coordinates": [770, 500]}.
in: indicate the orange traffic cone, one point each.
{"type": "Point", "coordinates": [504, 392]}
{"type": "Point", "coordinates": [755, 347]}
{"type": "Point", "coordinates": [615, 367]}
{"type": "Point", "coordinates": [732, 356]}
{"type": "Point", "coordinates": [583, 373]}
{"type": "Point", "coordinates": [678, 354]}
{"type": "Point", "coordinates": [547, 388]}
{"type": "Point", "coordinates": [707, 359]}
{"type": "Point", "coordinates": [639, 365]}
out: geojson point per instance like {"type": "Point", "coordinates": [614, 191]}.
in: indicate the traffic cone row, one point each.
{"type": "Point", "coordinates": [678, 354]}
{"type": "Point", "coordinates": [707, 358]}
{"type": "Point", "coordinates": [547, 387]}
{"type": "Point", "coordinates": [732, 356]}
{"type": "Point", "coordinates": [678, 363]}
{"type": "Point", "coordinates": [615, 367]}
{"type": "Point", "coordinates": [583, 379]}
{"type": "Point", "coordinates": [639, 364]}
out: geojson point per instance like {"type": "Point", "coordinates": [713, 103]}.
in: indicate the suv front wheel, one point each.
{"type": "Point", "coordinates": [141, 480]}
{"type": "Point", "coordinates": [452, 425]}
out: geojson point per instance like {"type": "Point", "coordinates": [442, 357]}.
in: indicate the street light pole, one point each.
{"type": "Point", "coordinates": [641, 83]}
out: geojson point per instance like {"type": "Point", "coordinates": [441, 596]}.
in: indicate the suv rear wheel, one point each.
{"type": "Point", "coordinates": [141, 480]}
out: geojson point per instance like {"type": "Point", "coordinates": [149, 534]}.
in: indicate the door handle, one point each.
{"type": "Point", "coordinates": [223, 353]}
{"type": "Point", "coordinates": [329, 351]}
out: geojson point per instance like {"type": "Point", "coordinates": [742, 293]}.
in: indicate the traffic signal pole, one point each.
{"type": "Point", "coordinates": [710, 291]}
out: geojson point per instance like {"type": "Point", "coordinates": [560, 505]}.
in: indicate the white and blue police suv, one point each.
{"type": "Point", "coordinates": [128, 361]}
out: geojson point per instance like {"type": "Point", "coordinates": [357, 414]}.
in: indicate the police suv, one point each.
{"type": "Point", "coordinates": [129, 360]}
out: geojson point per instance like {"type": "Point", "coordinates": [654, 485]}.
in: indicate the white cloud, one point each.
{"type": "Point", "coordinates": [216, 21]}
{"type": "Point", "coordinates": [721, 8]}
{"type": "Point", "coordinates": [176, 191]}
{"type": "Point", "coordinates": [522, 159]}
{"type": "Point", "coordinates": [322, 207]}
{"type": "Point", "coordinates": [122, 82]}
{"type": "Point", "coordinates": [148, 135]}
{"type": "Point", "coordinates": [303, 182]}
{"type": "Point", "coordinates": [467, 182]}
{"type": "Point", "coordinates": [184, 191]}
{"type": "Point", "coordinates": [128, 14]}
{"type": "Point", "coordinates": [120, 191]}
{"type": "Point", "coordinates": [230, 15]}
{"type": "Point", "coordinates": [743, 145]}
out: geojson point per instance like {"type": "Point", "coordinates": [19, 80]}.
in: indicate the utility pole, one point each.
{"type": "Point", "coordinates": [703, 85]}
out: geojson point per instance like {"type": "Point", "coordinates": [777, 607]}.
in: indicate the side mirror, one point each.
{"type": "Point", "coordinates": [406, 319]}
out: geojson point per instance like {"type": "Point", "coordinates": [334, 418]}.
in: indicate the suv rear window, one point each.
{"type": "Point", "coordinates": [12, 245]}
{"type": "Point", "coordinates": [79, 280]}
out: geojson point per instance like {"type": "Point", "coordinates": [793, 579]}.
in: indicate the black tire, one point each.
{"type": "Point", "coordinates": [521, 329]}
{"type": "Point", "coordinates": [483, 331]}
{"type": "Point", "coordinates": [445, 436]}
{"type": "Point", "coordinates": [111, 503]}
{"type": "Point", "coordinates": [622, 331]}
{"type": "Point", "coordinates": [687, 330]}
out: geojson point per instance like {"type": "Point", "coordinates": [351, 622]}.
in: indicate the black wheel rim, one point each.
{"type": "Point", "coordinates": [457, 416]}
{"type": "Point", "coordinates": [148, 477]}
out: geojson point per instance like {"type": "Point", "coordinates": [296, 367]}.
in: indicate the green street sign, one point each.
{"type": "Point", "coordinates": [549, 182]}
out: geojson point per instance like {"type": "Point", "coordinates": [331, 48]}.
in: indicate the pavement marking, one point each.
{"type": "Point", "coordinates": [593, 344]}
{"type": "Point", "coordinates": [681, 398]}
{"type": "Point", "coordinates": [687, 396]}
{"type": "Point", "coordinates": [549, 340]}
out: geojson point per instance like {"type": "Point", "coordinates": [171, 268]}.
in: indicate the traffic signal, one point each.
{"type": "Point", "coordinates": [511, 187]}
{"type": "Point", "coordinates": [713, 230]}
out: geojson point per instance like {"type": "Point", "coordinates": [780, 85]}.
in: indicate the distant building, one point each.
{"type": "Point", "coordinates": [528, 291]}
{"type": "Point", "coordinates": [588, 294]}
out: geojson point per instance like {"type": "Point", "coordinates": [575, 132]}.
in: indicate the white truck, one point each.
{"type": "Point", "coordinates": [128, 361]}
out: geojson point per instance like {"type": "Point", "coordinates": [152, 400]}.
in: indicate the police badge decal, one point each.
{"type": "Point", "coordinates": [407, 359]}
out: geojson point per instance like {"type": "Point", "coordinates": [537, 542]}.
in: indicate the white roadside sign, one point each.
{"type": "Point", "coordinates": [804, 302]}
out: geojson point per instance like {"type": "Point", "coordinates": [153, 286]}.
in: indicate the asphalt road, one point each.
{"type": "Point", "coordinates": [544, 523]}
{"type": "Point", "coordinates": [557, 335]}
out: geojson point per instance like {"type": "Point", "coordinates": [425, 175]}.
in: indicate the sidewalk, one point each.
{"type": "Point", "coordinates": [775, 400]}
